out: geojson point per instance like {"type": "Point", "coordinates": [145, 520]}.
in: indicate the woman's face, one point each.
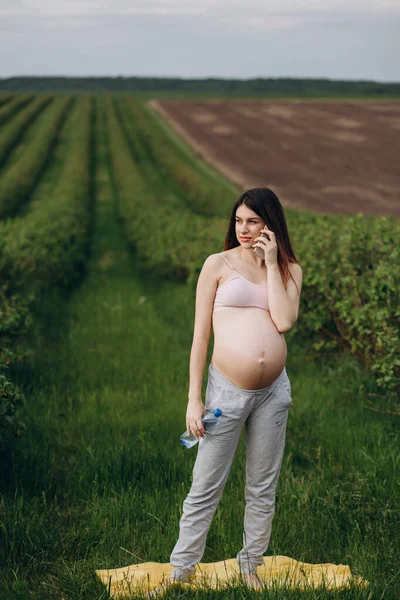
{"type": "Point", "coordinates": [248, 225]}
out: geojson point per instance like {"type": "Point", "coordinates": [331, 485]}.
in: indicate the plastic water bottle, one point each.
{"type": "Point", "coordinates": [210, 421]}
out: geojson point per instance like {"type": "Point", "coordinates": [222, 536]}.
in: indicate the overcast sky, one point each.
{"type": "Point", "coordinates": [339, 39]}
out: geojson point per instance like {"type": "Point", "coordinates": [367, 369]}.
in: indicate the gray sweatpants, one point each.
{"type": "Point", "coordinates": [264, 412]}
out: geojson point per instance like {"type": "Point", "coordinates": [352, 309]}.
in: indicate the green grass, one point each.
{"type": "Point", "coordinates": [99, 478]}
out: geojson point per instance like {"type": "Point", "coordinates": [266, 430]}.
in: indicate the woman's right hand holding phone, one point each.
{"type": "Point", "coordinates": [195, 411]}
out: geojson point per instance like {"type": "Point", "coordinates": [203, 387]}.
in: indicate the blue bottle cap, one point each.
{"type": "Point", "coordinates": [217, 412]}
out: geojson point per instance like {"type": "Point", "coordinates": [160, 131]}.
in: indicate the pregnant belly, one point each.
{"type": "Point", "coordinates": [248, 349]}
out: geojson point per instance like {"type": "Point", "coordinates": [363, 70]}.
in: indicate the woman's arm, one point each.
{"type": "Point", "coordinates": [205, 293]}
{"type": "Point", "coordinates": [284, 304]}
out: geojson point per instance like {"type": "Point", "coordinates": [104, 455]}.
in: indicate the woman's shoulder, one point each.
{"type": "Point", "coordinates": [231, 253]}
{"type": "Point", "coordinates": [214, 263]}
{"type": "Point", "coordinates": [295, 268]}
{"type": "Point", "coordinates": [217, 255]}
{"type": "Point", "coordinates": [215, 259]}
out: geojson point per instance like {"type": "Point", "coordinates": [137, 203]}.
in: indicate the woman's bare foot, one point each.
{"type": "Point", "coordinates": [252, 580]}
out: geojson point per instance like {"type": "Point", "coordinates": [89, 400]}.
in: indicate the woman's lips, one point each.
{"type": "Point", "coordinates": [245, 239]}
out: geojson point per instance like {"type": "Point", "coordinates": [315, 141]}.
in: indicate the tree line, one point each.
{"type": "Point", "coordinates": [273, 86]}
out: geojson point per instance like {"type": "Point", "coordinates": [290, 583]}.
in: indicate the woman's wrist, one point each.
{"type": "Point", "coordinates": [193, 398]}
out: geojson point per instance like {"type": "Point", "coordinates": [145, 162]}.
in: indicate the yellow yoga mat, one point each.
{"type": "Point", "coordinates": [277, 570]}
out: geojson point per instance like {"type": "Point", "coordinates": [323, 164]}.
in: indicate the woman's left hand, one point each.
{"type": "Point", "coordinates": [269, 246]}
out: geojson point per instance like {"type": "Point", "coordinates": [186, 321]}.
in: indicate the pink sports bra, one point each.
{"type": "Point", "coordinates": [238, 291]}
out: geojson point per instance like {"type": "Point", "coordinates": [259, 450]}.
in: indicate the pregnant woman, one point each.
{"type": "Point", "coordinates": [250, 302]}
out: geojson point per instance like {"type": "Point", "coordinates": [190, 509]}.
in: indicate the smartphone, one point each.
{"type": "Point", "coordinates": [259, 251]}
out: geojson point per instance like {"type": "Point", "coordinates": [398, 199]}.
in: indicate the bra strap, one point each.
{"type": "Point", "coordinates": [226, 260]}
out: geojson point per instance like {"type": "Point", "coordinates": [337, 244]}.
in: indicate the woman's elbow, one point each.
{"type": "Point", "coordinates": [285, 327]}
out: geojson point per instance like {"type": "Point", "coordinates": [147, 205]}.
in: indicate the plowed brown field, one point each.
{"type": "Point", "coordinates": [340, 157]}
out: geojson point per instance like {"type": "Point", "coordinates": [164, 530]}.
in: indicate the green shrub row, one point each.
{"type": "Point", "coordinates": [8, 110]}
{"type": "Point", "coordinates": [4, 98]}
{"type": "Point", "coordinates": [18, 181]}
{"type": "Point", "coordinates": [199, 189]}
{"type": "Point", "coordinates": [351, 273]}
{"type": "Point", "coordinates": [170, 252]}
{"type": "Point", "coordinates": [351, 288]}
{"type": "Point", "coordinates": [46, 247]}
{"type": "Point", "coordinates": [15, 324]}
{"type": "Point", "coordinates": [13, 132]}
{"type": "Point", "coordinates": [158, 182]}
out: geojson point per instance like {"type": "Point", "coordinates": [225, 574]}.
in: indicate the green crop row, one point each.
{"type": "Point", "coordinates": [157, 182]}
{"type": "Point", "coordinates": [199, 189]}
{"type": "Point", "coordinates": [8, 110]}
{"type": "Point", "coordinates": [13, 131]}
{"type": "Point", "coordinates": [46, 247]}
{"type": "Point", "coordinates": [351, 272]}
{"type": "Point", "coordinates": [4, 99]}
{"type": "Point", "coordinates": [18, 181]}
{"type": "Point", "coordinates": [168, 253]}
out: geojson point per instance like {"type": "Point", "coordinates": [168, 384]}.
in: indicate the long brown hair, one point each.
{"type": "Point", "coordinates": [265, 203]}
